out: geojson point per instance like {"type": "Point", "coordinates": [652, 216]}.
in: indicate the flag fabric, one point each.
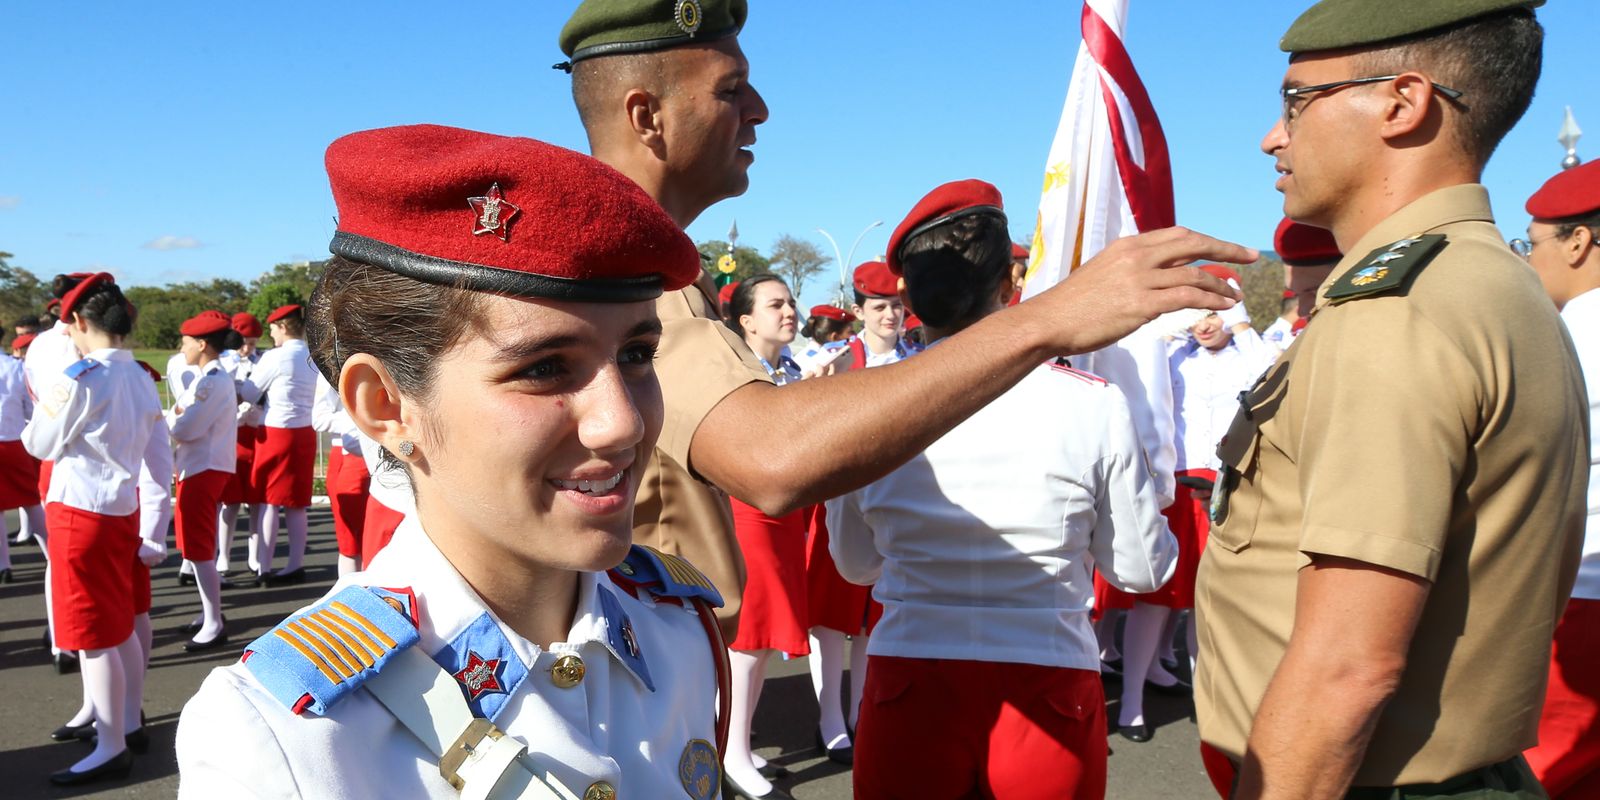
{"type": "Point", "coordinates": [1109, 176]}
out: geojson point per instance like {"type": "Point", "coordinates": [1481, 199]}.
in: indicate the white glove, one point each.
{"type": "Point", "coordinates": [152, 553]}
{"type": "Point", "coordinates": [1234, 316]}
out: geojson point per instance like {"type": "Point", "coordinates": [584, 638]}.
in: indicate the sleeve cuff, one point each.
{"type": "Point", "coordinates": [1372, 548]}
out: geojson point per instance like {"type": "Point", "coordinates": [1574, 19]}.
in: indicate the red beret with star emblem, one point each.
{"type": "Point", "coordinates": [282, 311]}
{"type": "Point", "coordinates": [832, 312]}
{"type": "Point", "coordinates": [205, 323]}
{"type": "Point", "coordinates": [873, 279]}
{"type": "Point", "coordinates": [246, 324]}
{"type": "Point", "coordinates": [69, 301]}
{"type": "Point", "coordinates": [502, 214]}
{"type": "Point", "coordinates": [944, 205]}
{"type": "Point", "coordinates": [1302, 244]}
{"type": "Point", "coordinates": [1570, 193]}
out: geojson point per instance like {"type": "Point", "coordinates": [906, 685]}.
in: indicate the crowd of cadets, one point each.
{"type": "Point", "coordinates": [984, 568]}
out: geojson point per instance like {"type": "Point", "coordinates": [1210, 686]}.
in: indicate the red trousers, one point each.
{"type": "Point", "coordinates": [1567, 760]}
{"type": "Point", "coordinates": [348, 481]}
{"type": "Point", "coordinates": [936, 728]}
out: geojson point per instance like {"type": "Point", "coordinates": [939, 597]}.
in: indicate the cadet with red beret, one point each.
{"type": "Point", "coordinates": [19, 471]}
{"type": "Point", "coordinates": [240, 361]}
{"type": "Point", "coordinates": [1562, 248]}
{"type": "Point", "coordinates": [488, 319]}
{"type": "Point", "coordinates": [821, 341]}
{"type": "Point", "coordinates": [284, 382]}
{"type": "Point", "coordinates": [1308, 254]}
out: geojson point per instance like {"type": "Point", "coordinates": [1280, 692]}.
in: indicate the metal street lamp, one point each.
{"type": "Point", "coordinates": [846, 259]}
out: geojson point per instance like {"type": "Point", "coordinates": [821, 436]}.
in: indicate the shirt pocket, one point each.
{"type": "Point", "coordinates": [1236, 501]}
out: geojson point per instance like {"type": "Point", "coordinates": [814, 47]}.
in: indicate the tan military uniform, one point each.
{"type": "Point", "coordinates": [1438, 431]}
{"type": "Point", "coordinates": [699, 363]}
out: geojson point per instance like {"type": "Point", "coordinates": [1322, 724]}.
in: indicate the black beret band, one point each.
{"type": "Point", "coordinates": [949, 218]}
{"type": "Point", "coordinates": [648, 45]}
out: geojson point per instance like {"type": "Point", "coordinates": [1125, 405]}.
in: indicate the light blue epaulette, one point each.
{"type": "Point", "coordinates": [665, 575]}
{"type": "Point", "coordinates": [82, 368]}
{"type": "Point", "coordinates": [313, 659]}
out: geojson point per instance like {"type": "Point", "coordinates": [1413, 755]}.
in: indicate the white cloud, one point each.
{"type": "Point", "coordinates": [173, 243]}
{"type": "Point", "coordinates": [9, 201]}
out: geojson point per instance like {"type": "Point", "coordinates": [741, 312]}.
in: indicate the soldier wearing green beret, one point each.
{"type": "Point", "coordinates": [1401, 515]}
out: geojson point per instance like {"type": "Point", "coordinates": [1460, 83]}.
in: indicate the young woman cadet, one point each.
{"type": "Point", "coordinates": [489, 319]}
{"type": "Point", "coordinates": [285, 457]}
{"type": "Point", "coordinates": [347, 480]}
{"type": "Point", "coordinates": [240, 362]}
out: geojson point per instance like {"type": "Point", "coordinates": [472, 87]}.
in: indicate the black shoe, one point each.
{"type": "Point", "coordinates": [1178, 689]}
{"type": "Point", "coordinates": [73, 733]}
{"type": "Point", "coordinates": [771, 770]}
{"type": "Point", "coordinates": [5, 575]}
{"type": "Point", "coordinates": [185, 579]}
{"type": "Point", "coordinates": [66, 663]}
{"type": "Point", "coordinates": [137, 740]}
{"type": "Point", "coordinates": [219, 640]}
{"type": "Point", "coordinates": [1170, 665]}
{"type": "Point", "coordinates": [1134, 733]}
{"type": "Point", "coordinates": [731, 789]}
{"type": "Point", "coordinates": [192, 628]}
{"type": "Point", "coordinates": [843, 755]}
{"type": "Point", "coordinates": [118, 767]}
{"type": "Point", "coordinates": [292, 578]}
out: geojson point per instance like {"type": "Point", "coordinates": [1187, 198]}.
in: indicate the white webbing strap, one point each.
{"type": "Point", "coordinates": [474, 756]}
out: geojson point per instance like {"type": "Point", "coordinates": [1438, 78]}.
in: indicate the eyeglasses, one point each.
{"type": "Point", "coordinates": [1524, 247]}
{"type": "Point", "coordinates": [1292, 93]}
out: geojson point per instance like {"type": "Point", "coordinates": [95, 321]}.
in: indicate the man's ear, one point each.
{"type": "Point", "coordinates": [1409, 99]}
{"type": "Point", "coordinates": [643, 111]}
{"type": "Point", "coordinates": [374, 403]}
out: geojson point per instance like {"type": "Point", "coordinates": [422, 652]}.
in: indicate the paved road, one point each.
{"type": "Point", "coordinates": [34, 700]}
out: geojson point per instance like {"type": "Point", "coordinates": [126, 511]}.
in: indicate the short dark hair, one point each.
{"type": "Point", "coordinates": [31, 323]}
{"type": "Point", "coordinates": [1567, 226]}
{"type": "Point", "coordinates": [953, 271]}
{"type": "Point", "coordinates": [225, 339]}
{"type": "Point", "coordinates": [822, 329]}
{"type": "Point", "coordinates": [596, 80]}
{"type": "Point", "coordinates": [102, 306]}
{"type": "Point", "coordinates": [1493, 60]}
{"type": "Point", "coordinates": [744, 299]}
{"type": "Point", "coordinates": [293, 322]}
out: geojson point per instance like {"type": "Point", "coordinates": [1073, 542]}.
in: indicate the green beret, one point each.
{"type": "Point", "coordinates": [614, 27]}
{"type": "Point", "coordinates": [1336, 24]}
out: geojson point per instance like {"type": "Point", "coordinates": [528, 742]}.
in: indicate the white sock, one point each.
{"type": "Point", "coordinates": [1106, 632]}
{"type": "Point", "coordinates": [299, 525]}
{"type": "Point", "coordinates": [347, 565]}
{"type": "Point", "coordinates": [5, 545]}
{"type": "Point", "coordinates": [227, 517]}
{"type": "Point", "coordinates": [105, 681]}
{"type": "Point", "coordinates": [1140, 640]}
{"type": "Point", "coordinates": [186, 567]}
{"type": "Point", "coordinates": [269, 539]}
{"type": "Point", "coordinates": [209, 582]}
{"type": "Point", "coordinates": [33, 525]}
{"type": "Point", "coordinates": [858, 675]}
{"type": "Point", "coordinates": [50, 612]}
{"type": "Point", "coordinates": [134, 655]}
{"type": "Point", "coordinates": [827, 680]}
{"type": "Point", "coordinates": [748, 672]}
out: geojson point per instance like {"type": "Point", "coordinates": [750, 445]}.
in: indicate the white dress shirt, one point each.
{"type": "Point", "coordinates": [95, 427]}
{"type": "Point", "coordinates": [15, 404]}
{"type": "Point", "coordinates": [1205, 387]}
{"type": "Point", "coordinates": [1582, 315]}
{"type": "Point", "coordinates": [50, 354]}
{"type": "Point", "coordinates": [329, 415]}
{"type": "Point", "coordinates": [627, 723]}
{"type": "Point", "coordinates": [984, 546]}
{"type": "Point", "coordinates": [284, 381]}
{"type": "Point", "coordinates": [1279, 335]}
{"type": "Point", "coordinates": [180, 375]}
{"type": "Point", "coordinates": [206, 433]}
{"type": "Point", "coordinates": [155, 488]}
{"type": "Point", "coordinates": [1138, 366]}
{"type": "Point", "coordinates": [240, 367]}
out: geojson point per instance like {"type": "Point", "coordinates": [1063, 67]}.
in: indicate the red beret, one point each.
{"type": "Point", "coordinates": [1288, 295]}
{"type": "Point", "coordinates": [832, 312]}
{"type": "Point", "coordinates": [54, 302]}
{"type": "Point", "coordinates": [69, 301]}
{"type": "Point", "coordinates": [149, 370]}
{"type": "Point", "coordinates": [502, 214]}
{"type": "Point", "coordinates": [1223, 273]}
{"type": "Point", "coordinates": [280, 312]}
{"type": "Point", "coordinates": [1570, 193]}
{"type": "Point", "coordinates": [22, 340]}
{"type": "Point", "coordinates": [946, 203]}
{"type": "Point", "coordinates": [1299, 244]}
{"type": "Point", "coordinates": [1018, 252]}
{"type": "Point", "coordinates": [725, 296]}
{"type": "Point", "coordinates": [913, 322]}
{"type": "Point", "coordinates": [873, 279]}
{"type": "Point", "coordinates": [204, 323]}
{"type": "Point", "coordinates": [246, 324]}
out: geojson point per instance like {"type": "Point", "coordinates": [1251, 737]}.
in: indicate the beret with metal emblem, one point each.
{"type": "Point", "coordinates": [944, 205]}
{"type": "Point", "coordinates": [873, 279]}
{"type": "Point", "coordinates": [246, 324]}
{"type": "Point", "coordinates": [205, 323]}
{"type": "Point", "coordinates": [616, 27]}
{"type": "Point", "coordinates": [502, 214]}
{"type": "Point", "coordinates": [1297, 243]}
{"type": "Point", "coordinates": [1570, 193]}
{"type": "Point", "coordinates": [832, 312]}
{"type": "Point", "coordinates": [1336, 24]}
{"type": "Point", "coordinates": [282, 311]}
{"type": "Point", "coordinates": [69, 301]}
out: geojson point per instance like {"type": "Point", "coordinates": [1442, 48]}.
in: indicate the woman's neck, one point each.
{"type": "Point", "coordinates": [206, 357]}
{"type": "Point", "coordinates": [877, 344]}
{"type": "Point", "coordinates": [769, 350]}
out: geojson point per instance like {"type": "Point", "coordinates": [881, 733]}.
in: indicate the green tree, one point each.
{"type": "Point", "coordinates": [302, 275]}
{"type": "Point", "coordinates": [749, 260]}
{"type": "Point", "coordinates": [795, 260]}
{"type": "Point", "coordinates": [1263, 289]}
{"type": "Point", "coordinates": [271, 296]}
{"type": "Point", "coordinates": [22, 294]}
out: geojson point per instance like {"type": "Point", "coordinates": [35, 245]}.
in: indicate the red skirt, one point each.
{"type": "Point", "coordinates": [91, 578]}
{"type": "Point", "coordinates": [241, 489]}
{"type": "Point", "coordinates": [773, 614]}
{"type": "Point", "coordinates": [141, 586]}
{"type": "Point", "coordinates": [377, 529]}
{"type": "Point", "coordinates": [197, 499]}
{"type": "Point", "coordinates": [1191, 525]}
{"type": "Point", "coordinates": [286, 459]}
{"type": "Point", "coordinates": [45, 468]}
{"type": "Point", "coordinates": [1567, 760]}
{"type": "Point", "coordinates": [19, 477]}
{"type": "Point", "coordinates": [348, 481]}
{"type": "Point", "coordinates": [831, 601]}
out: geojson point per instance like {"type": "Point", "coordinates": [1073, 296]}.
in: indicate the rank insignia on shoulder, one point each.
{"type": "Point", "coordinates": [1387, 268]}
{"type": "Point", "coordinates": [665, 575]}
{"type": "Point", "coordinates": [82, 368]}
{"type": "Point", "coordinates": [315, 658]}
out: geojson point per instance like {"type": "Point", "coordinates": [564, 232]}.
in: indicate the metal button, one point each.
{"type": "Point", "coordinates": [600, 790]}
{"type": "Point", "coordinates": [567, 672]}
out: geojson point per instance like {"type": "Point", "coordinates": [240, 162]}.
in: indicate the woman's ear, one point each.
{"type": "Point", "coordinates": [374, 402]}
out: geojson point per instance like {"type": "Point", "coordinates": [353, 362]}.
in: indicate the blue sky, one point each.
{"type": "Point", "coordinates": [183, 140]}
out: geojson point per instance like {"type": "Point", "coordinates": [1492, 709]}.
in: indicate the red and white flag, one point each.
{"type": "Point", "coordinates": [1108, 176]}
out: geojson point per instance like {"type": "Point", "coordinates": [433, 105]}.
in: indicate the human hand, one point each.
{"type": "Point", "coordinates": [1234, 317]}
{"type": "Point", "coordinates": [152, 553]}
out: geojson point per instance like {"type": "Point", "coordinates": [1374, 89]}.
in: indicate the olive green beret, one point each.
{"type": "Point", "coordinates": [614, 27]}
{"type": "Point", "coordinates": [1335, 24]}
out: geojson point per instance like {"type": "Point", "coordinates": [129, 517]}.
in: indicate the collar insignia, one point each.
{"type": "Point", "coordinates": [480, 676]}
{"type": "Point", "coordinates": [493, 214]}
{"type": "Point", "coordinates": [482, 661]}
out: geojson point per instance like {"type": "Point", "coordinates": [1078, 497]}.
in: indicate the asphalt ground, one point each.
{"type": "Point", "coordinates": [34, 699]}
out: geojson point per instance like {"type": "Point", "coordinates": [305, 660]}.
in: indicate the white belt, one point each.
{"type": "Point", "coordinates": [474, 756]}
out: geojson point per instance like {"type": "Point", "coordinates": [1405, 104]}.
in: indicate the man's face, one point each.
{"type": "Point", "coordinates": [710, 118]}
{"type": "Point", "coordinates": [1320, 141]}
{"type": "Point", "coordinates": [1549, 260]}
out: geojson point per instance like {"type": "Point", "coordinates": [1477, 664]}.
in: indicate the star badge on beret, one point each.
{"type": "Point", "coordinates": [688, 17]}
{"type": "Point", "coordinates": [494, 214]}
{"type": "Point", "coordinates": [480, 676]}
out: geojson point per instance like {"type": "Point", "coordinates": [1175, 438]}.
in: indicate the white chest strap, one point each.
{"type": "Point", "coordinates": [474, 756]}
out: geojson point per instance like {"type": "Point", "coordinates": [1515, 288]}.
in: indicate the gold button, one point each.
{"type": "Point", "coordinates": [600, 790]}
{"type": "Point", "coordinates": [567, 673]}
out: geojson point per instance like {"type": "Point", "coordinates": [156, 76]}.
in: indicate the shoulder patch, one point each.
{"type": "Point", "coordinates": [315, 658]}
{"type": "Point", "coordinates": [1064, 367]}
{"type": "Point", "coordinates": [82, 368]}
{"type": "Point", "coordinates": [1387, 268]}
{"type": "Point", "coordinates": [665, 575]}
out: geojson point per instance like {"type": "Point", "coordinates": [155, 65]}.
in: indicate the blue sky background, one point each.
{"type": "Point", "coordinates": [184, 140]}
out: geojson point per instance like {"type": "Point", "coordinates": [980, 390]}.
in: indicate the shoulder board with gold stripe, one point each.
{"type": "Point", "coordinates": [667, 575]}
{"type": "Point", "coordinates": [315, 658]}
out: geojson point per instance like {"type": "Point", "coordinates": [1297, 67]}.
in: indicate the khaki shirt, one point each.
{"type": "Point", "coordinates": [700, 362]}
{"type": "Point", "coordinates": [1438, 431]}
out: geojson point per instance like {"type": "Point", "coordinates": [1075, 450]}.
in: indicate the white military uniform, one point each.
{"type": "Point", "coordinates": [155, 493]}
{"type": "Point", "coordinates": [15, 404]}
{"type": "Point", "coordinates": [639, 723]}
{"type": "Point", "coordinates": [1205, 386]}
{"type": "Point", "coordinates": [1582, 316]}
{"type": "Point", "coordinates": [984, 549]}
{"type": "Point", "coordinates": [206, 433]}
{"type": "Point", "coordinates": [1279, 335]}
{"type": "Point", "coordinates": [285, 381]}
{"type": "Point", "coordinates": [50, 354]}
{"type": "Point", "coordinates": [180, 375]}
{"type": "Point", "coordinates": [94, 421]}
{"type": "Point", "coordinates": [240, 367]}
{"type": "Point", "coordinates": [329, 416]}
